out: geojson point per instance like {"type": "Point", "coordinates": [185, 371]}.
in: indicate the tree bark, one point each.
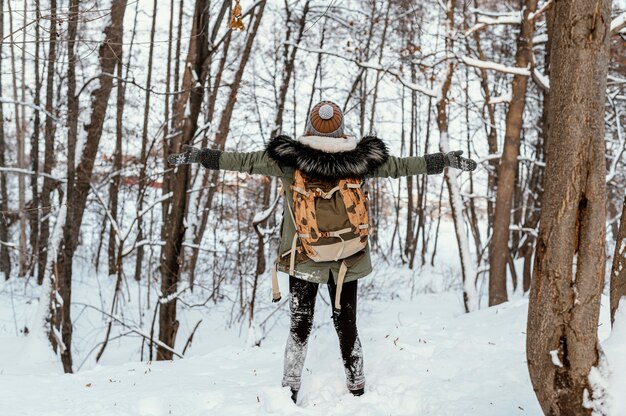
{"type": "Point", "coordinates": [34, 211]}
{"type": "Point", "coordinates": [533, 203]}
{"type": "Point", "coordinates": [5, 260]}
{"type": "Point", "coordinates": [178, 179]}
{"type": "Point", "coordinates": [567, 281]}
{"type": "Point", "coordinates": [49, 131]}
{"type": "Point", "coordinates": [144, 149]}
{"type": "Point", "coordinates": [507, 170]}
{"type": "Point", "coordinates": [79, 177]}
{"type": "Point", "coordinates": [226, 117]}
{"type": "Point", "coordinates": [618, 271]}
{"type": "Point", "coordinates": [19, 136]}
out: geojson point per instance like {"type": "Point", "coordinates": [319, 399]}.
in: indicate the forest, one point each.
{"type": "Point", "coordinates": [113, 260]}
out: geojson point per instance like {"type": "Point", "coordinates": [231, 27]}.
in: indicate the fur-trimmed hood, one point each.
{"type": "Point", "coordinates": [368, 154]}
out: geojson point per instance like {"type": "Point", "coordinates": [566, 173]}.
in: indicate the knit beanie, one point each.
{"type": "Point", "coordinates": [325, 119]}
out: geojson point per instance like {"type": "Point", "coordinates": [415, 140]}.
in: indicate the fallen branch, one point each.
{"type": "Point", "coordinates": [131, 328]}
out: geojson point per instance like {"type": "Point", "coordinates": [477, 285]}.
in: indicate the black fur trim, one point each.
{"type": "Point", "coordinates": [370, 154]}
{"type": "Point", "coordinates": [435, 163]}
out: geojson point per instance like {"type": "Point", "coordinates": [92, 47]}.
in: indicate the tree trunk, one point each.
{"type": "Point", "coordinates": [5, 260]}
{"type": "Point", "coordinates": [224, 125]}
{"type": "Point", "coordinates": [175, 119]}
{"type": "Point", "coordinates": [19, 135]}
{"type": "Point", "coordinates": [618, 271]}
{"type": "Point", "coordinates": [562, 341]}
{"type": "Point", "coordinates": [492, 132]}
{"type": "Point", "coordinates": [533, 203]}
{"type": "Point", "coordinates": [34, 154]}
{"type": "Point", "coordinates": [178, 179]}
{"type": "Point", "coordinates": [114, 187]}
{"type": "Point", "coordinates": [144, 149]}
{"type": "Point", "coordinates": [49, 131]}
{"type": "Point", "coordinates": [470, 297]}
{"type": "Point", "coordinates": [79, 178]}
{"type": "Point", "coordinates": [507, 170]}
{"type": "Point", "coordinates": [203, 205]}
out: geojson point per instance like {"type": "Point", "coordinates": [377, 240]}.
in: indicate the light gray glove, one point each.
{"type": "Point", "coordinates": [209, 158]}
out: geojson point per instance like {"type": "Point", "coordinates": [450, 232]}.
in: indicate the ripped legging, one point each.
{"type": "Point", "coordinates": [302, 306]}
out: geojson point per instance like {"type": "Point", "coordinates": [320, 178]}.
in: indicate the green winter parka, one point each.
{"type": "Point", "coordinates": [369, 158]}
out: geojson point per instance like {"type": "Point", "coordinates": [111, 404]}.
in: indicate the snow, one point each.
{"type": "Point", "coordinates": [615, 354]}
{"type": "Point", "coordinates": [618, 24]}
{"type": "Point", "coordinates": [554, 354]}
{"type": "Point", "coordinates": [423, 356]}
{"type": "Point", "coordinates": [504, 98]}
{"type": "Point", "coordinates": [542, 79]}
{"type": "Point", "coordinates": [469, 283]}
{"type": "Point", "coordinates": [513, 18]}
{"type": "Point", "coordinates": [495, 66]}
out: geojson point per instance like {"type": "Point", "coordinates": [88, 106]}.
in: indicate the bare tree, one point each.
{"type": "Point", "coordinates": [49, 131]}
{"type": "Point", "coordinates": [567, 281]}
{"type": "Point", "coordinates": [34, 150]}
{"type": "Point", "coordinates": [470, 299]}
{"type": "Point", "coordinates": [5, 260]}
{"type": "Point", "coordinates": [186, 124]}
{"type": "Point", "coordinates": [19, 135]}
{"type": "Point", "coordinates": [499, 252]}
{"type": "Point", "coordinates": [79, 177]}
{"type": "Point", "coordinates": [618, 271]}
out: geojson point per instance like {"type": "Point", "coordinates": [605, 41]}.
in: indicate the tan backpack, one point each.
{"type": "Point", "coordinates": [331, 223]}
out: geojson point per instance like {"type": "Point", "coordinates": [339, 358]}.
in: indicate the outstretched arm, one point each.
{"type": "Point", "coordinates": [396, 167]}
{"type": "Point", "coordinates": [249, 162]}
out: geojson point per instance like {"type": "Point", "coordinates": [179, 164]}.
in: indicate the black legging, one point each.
{"type": "Point", "coordinates": [302, 306]}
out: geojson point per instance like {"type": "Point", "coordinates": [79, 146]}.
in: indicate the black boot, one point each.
{"type": "Point", "coordinates": [358, 392]}
{"type": "Point", "coordinates": [294, 395]}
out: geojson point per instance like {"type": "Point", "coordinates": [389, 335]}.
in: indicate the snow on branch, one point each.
{"type": "Point", "coordinates": [513, 18]}
{"type": "Point", "coordinates": [504, 98]}
{"type": "Point", "coordinates": [618, 24]}
{"type": "Point", "coordinates": [495, 66]}
{"type": "Point", "coordinates": [29, 172]}
{"type": "Point", "coordinates": [260, 217]}
{"type": "Point", "coordinates": [542, 9]}
{"type": "Point", "coordinates": [541, 80]}
{"type": "Point", "coordinates": [29, 105]}
{"type": "Point", "coordinates": [155, 203]}
{"type": "Point", "coordinates": [114, 223]}
{"type": "Point", "coordinates": [376, 67]}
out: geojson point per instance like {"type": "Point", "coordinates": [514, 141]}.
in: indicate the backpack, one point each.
{"type": "Point", "coordinates": [331, 223]}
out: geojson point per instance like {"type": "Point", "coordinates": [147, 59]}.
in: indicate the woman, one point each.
{"type": "Point", "coordinates": [323, 155]}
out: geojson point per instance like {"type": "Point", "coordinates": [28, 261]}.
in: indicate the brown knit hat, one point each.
{"type": "Point", "coordinates": [325, 119]}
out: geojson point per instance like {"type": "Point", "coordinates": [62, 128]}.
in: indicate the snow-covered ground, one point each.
{"type": "Point", "coordinates": [423, 356]}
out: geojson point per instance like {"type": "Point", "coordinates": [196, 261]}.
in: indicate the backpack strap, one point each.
{"type": "Point", "coordinates": [343, 269]}
{"type": "Point", "coordinates": [275, 289]}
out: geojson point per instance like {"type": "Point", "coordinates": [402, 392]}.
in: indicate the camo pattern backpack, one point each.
{"type": "Point", "coordinates": [331, 222]}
